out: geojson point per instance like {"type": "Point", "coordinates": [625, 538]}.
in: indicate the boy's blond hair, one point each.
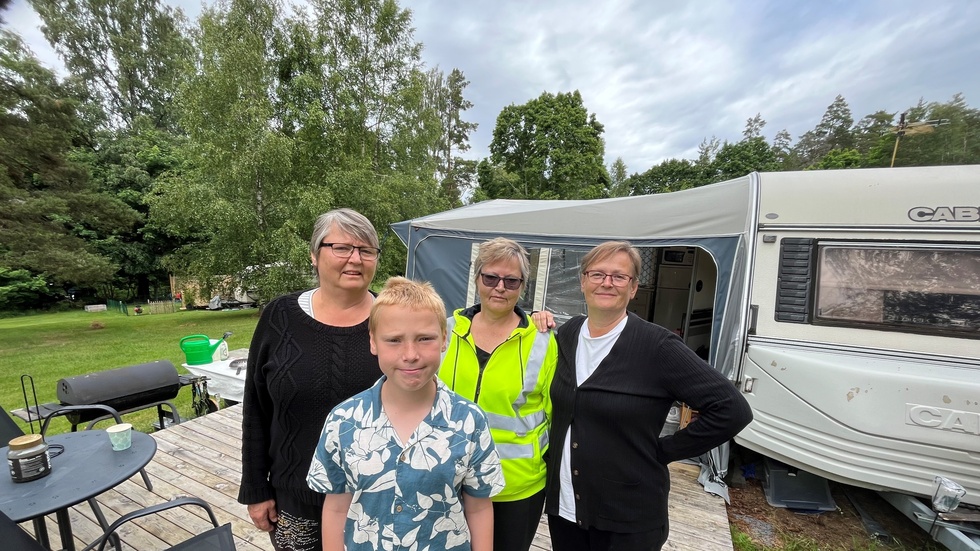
{"type": "Point", "coordinates": [416, 295]}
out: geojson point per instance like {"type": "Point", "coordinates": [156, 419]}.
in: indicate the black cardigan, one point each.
{"type": "Point", "coordinates": [298, 370]}
{"type": "Point", "coordinates": [618, 459]}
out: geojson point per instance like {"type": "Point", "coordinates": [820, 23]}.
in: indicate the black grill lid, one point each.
{"type": "Point", "coordinates": [122, 388]}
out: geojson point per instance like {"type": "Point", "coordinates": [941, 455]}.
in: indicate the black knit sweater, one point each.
{"type": "Point", "coordinates": [298, 370]}
{"type": "Point", "coordinates": [618, 459]}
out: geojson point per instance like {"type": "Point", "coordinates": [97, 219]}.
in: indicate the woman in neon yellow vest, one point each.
{"type": "Point", "coordinates": [497, 358]}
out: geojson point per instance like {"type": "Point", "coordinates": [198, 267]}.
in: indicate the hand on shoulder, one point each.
{"type": "Point", "coordinates": [543, 320]}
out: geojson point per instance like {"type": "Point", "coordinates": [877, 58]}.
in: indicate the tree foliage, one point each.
{"type": "Point", "coordinates": [955, 139]}
{"type": "Point", "coordinates": [618, 179]}
{"type": "Point", "coordinates": [738, 159]}
{"type": "Point", "coordinates": [840, 158]}
{"type": "Point", "coordinates": [553, 146]}
{"type": "Point", "coordinates": [125, 60]}
{"type": "Point", "coordinates": [493, 181]}
{"type": "Point", "coordinates": [716, 162]}
{"type": "Point", "coordinates": [945, 133]}
{"type": "Point", "coordinates": [445, 95]}
{"type": "Point", "coordinates": [51, 213]}
{"type": "Point", "coordinates": [21, 290]}
{"type": "Point", "coordinates": [832, 132]}
{"type": "Point", "coordinates": [213, 148]}
{"type": "Point", "coordinates": [126, 165]}
{"type": "Point", "coordinates": [233, 203]}
{"type": "Point", "coordinates": [669, 175]}
{"type": "Point", "coordinates": [753, 127]}
{"type": "Point", "coordinates": [290, 117]}
{"type": "Point", "coordinates": [130, 52]}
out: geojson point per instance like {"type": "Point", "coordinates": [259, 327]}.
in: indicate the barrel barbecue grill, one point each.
{"type": "Point", "coordinates": [125, 389]}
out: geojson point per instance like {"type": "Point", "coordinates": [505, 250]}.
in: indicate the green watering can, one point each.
{"type": "Point", "coordinates": [199, 349]}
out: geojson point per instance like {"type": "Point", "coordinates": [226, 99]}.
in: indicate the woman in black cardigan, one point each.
{"type": "Point", "coordinates": [616, 380]}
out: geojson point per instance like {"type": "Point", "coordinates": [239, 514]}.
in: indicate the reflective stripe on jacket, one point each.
{"type": "Point", "coordinates": [513, 390]}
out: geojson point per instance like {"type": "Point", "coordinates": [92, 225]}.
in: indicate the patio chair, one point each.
{"type": "Point", "coordinates": [14, 538]}
{"type": "Point", "coordinates": [218, 538]}
{"type": "Point", "coordinates": [9, 429]}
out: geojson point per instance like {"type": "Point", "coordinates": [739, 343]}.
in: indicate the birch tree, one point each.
{"type": "Point", "coordinates": [130, 52]}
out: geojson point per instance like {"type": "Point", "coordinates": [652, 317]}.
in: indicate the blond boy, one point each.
{"type": "Point", "coordinates": [407, 463]}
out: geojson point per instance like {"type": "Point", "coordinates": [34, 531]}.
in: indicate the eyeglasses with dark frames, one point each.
{"type": "Point", "coordinates": [510, 283]}
{"type": "Point", "coordinates": [346, 250]}
{"type": "Point", "coordinates": [618, 280]}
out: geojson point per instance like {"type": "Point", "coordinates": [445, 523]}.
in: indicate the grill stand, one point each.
{"type": "Point", "coordinates": [165, 417]}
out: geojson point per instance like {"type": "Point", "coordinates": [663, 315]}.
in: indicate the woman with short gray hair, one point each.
{"type": "Point", "coordinates": [310, 351]}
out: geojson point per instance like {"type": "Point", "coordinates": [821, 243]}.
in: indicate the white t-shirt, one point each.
{"type": "Point", "coordinates": [589, 354]}
{"type": "Point", "coordinates": [306, 302]}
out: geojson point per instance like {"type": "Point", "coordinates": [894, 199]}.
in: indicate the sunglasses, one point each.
{"type": "Point", "coordinates": [510, 283]}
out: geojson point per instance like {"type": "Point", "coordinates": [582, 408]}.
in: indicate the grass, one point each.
{"type": "Point", "coordinates": [743, 542]}
{"type": "Point", "coordinates": [49, 347]}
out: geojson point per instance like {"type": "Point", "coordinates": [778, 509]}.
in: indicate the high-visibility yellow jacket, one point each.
{"type": "Point", "coordinates": [513, 390]}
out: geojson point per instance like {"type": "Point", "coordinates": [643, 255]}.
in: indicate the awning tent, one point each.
{"type": "Point", "coordinates": [715, 218]}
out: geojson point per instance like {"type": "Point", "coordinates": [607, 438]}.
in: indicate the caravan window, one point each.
{"type": "Point", "coordinates": [916, 289]}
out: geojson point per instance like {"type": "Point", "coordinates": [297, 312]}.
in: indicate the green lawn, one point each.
{"type": "Point", "coordinates": [50, 347]}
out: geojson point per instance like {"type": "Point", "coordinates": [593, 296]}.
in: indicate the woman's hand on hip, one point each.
{"type": "Point", "coordinates": [263, 514]}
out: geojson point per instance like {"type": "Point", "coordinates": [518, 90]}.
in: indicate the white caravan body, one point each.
{"type": "Point", "coordinates": [876, 382]}
{"type": "Point", "coordinates": [845, 304]}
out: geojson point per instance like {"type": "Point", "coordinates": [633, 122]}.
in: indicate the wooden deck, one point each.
{"type": "Point", "coordinates": [202, 457]}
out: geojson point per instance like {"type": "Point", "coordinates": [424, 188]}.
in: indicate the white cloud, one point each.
{"type": "Point", "coordinates": [662, 76]}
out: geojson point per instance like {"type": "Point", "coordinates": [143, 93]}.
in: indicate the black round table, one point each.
{"type": "Point", "coordinates": [87, 468]}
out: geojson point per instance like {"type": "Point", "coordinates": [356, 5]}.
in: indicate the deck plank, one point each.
{"type": "Point", "coordinates": [202, 457]}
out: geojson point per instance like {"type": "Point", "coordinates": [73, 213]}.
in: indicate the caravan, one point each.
{"type": "Point", "coordinates": [844, 304]}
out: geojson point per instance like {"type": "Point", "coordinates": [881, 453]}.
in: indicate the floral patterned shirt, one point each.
{"type": "Point", "coordinates": [406, 496]}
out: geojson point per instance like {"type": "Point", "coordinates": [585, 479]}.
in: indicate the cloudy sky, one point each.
{"type": "Point", "coordinates": [663, 75]}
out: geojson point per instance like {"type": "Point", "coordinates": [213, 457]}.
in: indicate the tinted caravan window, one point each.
{"type": "Point", "coordinates": [905, 288]}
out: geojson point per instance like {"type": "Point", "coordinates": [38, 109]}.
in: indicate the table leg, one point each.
{"type": "Point", "coordinates": [146, 480]}
{"type": "Point", "coordinates": [64, 529]}
{"type": "Point", "coordinates": [114, 538]}
{"type": "Point", "coordinates": [41, 532]}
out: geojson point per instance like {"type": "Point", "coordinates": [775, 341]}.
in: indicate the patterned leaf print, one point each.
{"type": "Point", "coordinates": [410, 537]}
{"type": "Point", "coordinates": [406, 496]}
{"type": "Point", "coordinates": [365, 526]}
{"type": "Point", "coordinates": [384, 482]}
